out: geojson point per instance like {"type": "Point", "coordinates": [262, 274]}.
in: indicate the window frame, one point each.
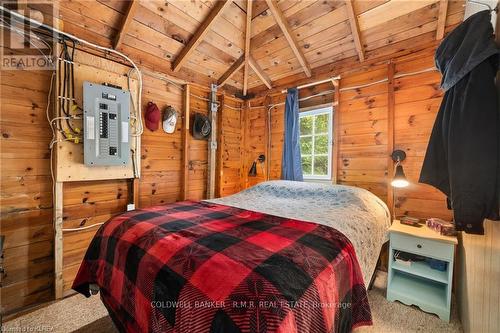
{"type": "Point", "coordinates": [316, 112]}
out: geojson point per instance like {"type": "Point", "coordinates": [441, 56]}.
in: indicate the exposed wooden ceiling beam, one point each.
{"type": "Point", "coordinates": [260, 73]}
{"type": "Point", "coordinates": [287, 31]}
{"type": "Point", "coordinates": [200, 33]}
{"type": "Point", "coordinates": [233, 69]}
{"type": "Point", "coordinates": [248, 34]}
{"type": "Point", "coordinates": [129, 16]}
{"type": "Point", "coordinates": [353, 21]}
{"type": "Point", "coordinates": [441, 24]}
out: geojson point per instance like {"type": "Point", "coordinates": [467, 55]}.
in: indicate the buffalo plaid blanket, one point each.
{"type": "Point", "coordinates": [202, 267]}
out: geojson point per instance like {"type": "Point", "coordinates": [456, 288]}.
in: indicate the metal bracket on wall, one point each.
{"type": "Point", "coordinates": [212, 146]}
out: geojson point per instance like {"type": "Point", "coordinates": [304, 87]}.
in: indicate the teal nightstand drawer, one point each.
{"type": "Point", "coordinates": [422, 246]}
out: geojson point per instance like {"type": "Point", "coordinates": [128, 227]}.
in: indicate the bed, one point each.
{"type": "Point", "coordinates": [278, 257]}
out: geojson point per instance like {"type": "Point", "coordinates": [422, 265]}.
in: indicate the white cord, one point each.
{"type": "Point", "coordinates": [232, 107]}
{"type": "Point", "coordinates": [51, 128]}
{"type": "Point", "coordinates": [98, 47]}
{"type": "Point", "coordinates": [136, 107]}
{"type": "Point", "coordinates": [431, 69]}
{"type": "Point", "coordinates": [83, 228]}
{"type": "Point", "coordinates": [23, 34]}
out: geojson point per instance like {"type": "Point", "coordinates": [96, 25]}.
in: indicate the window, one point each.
{"type": "Point", "coordinates": [316, 143]}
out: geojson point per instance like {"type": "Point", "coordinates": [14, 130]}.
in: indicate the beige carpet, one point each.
{"type": "Point", "coordinates": [82, 315]}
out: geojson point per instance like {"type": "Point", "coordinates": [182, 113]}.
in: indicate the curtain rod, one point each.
{"type": "Point", "coordinates": [314, 83]}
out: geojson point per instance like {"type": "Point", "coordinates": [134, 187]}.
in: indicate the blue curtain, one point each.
{"type": "Point", "coordinates": [291, 164]}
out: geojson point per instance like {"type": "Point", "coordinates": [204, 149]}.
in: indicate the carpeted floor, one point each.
{"type": "Point", "coordinates": [78, 314]}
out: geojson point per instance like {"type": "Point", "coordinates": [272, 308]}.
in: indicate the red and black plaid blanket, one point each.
{"type": "Point", "coordinates": [201, 267]}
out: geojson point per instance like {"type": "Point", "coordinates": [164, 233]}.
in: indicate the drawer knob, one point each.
{"type": "Point", "coordinates": [419, 246]}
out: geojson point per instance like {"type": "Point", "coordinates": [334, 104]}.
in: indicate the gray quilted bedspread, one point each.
{"type": "Point", "coordinates": [357, 213]}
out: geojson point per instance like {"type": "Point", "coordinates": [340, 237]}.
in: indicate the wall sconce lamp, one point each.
{"type": "Point", "coordinates": [399, 179]}
{"type": "Point", "coordinates": [253, 169]}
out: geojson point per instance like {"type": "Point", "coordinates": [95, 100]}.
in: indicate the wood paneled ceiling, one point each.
{"type": "Point", "coordinates": [205, 41]}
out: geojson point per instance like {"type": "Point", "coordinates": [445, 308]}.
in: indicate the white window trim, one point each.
{"type": "Point", "coordinates": [323, 110]}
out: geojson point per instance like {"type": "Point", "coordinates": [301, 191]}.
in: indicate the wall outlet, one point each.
{"type": "Point", "coordinates": [130, 207]}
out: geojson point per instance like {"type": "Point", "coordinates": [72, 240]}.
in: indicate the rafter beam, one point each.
{"type": "Point", "coordinates": [248, 34]}
{"type": "Point", "coordinates": [441, 24]}
{"type": "Point", "coordinates": [229, 73]}
{"type": "Point", "coordinates": [202, 31]}
{"type": "Point", "coordinates": [289, 36]}
{"type": "Point", "coordinates": [353, 21]}
{"type": "Point", "coordinates": [260, 73]}
{"type": "Point", "coordinates": [129, 16]}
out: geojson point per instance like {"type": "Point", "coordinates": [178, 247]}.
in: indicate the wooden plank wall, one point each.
{"type": "Point", "coordinates": [198, 151]}
{"type": "Point", "coordinates": [229, 147]}
{"type": "Point", "coordinates": [276, 137]}
{"type": "Point", "coordinates": [362, 116]}
{"type": "Point", "coordinates": [255, 142]}
{"type": "Point", "coordinates": [479, 271]}
{"type": "Point", "coordinates": [84, 204]}
{"type": "Point", "coordinates": [364, 130]}
{"type": "Point", "coordinates": [26, 194]}
{"type": "Point", "coordinates": [417, 99]}
{"type": "Point", "coordinates": [161, 168]}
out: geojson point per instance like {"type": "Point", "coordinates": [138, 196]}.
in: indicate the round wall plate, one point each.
{"type": "Point", "coordinates": [398, 155]}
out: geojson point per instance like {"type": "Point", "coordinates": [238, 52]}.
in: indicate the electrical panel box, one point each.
{"type": "Point", "coordinates": [106, 121]}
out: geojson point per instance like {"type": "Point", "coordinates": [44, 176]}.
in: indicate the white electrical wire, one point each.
{"type": "Point", "coordinates": [364, 85]}
{"type": "Point", "coordinates": [137, 110]}
{"type": "Point", "coordinates": [95, 46]}
{"type": "Point", "coordinates": [82, 228]}
{"type": "Point", "coordinates": [201, 98]}
{"type": "Point", "coordinates": [268, 159]}
{"type": "Point", "coordinates": [166, 79]}
{"type": "Point", "coordinates": [431, 69]}
{"type": "Point", "coordinates": [232, 107]}
{"type": "Point", "coordinates": [23, 34]}
{"type": "Point", "coordinates": [51, 127]}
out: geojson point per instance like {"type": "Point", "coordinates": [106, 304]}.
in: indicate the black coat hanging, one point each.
{"type": "Point", "coordinates": [463, 158]}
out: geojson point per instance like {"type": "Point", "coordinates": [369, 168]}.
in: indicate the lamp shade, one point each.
{"type": "Point", "coordinates": [253, 170]}
{"type": "Point", "coordinates": [399, 179]}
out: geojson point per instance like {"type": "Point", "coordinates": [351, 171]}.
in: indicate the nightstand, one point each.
{"type": "Point", "coordinates": [419, 284]}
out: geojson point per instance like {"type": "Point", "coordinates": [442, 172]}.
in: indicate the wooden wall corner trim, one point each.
{"type": "Point", "coordinates": [185, 142]}
{"type": "Point", "coordinates": [220, 145]}
{"type": "Point", "coordinates": [135, 192]}
{"type": "Point", "coordinates": [58, 239]}
{"type": "Point", "coordinates": [244, 130]}
{"type": "Point", "coordinates": [335, 129]}
{"type": "Point", "coordinates": [390, 134]}
{"type": "Point", "coordinates": [267, 137]}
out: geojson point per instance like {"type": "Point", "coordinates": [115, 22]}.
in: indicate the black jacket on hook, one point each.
{"type": "Point", "coordinates": [463, 155]}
